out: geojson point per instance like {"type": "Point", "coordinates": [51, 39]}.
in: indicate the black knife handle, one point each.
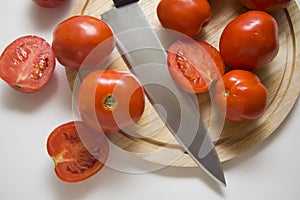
{"type": "Point", "coordinates": [119, 3]}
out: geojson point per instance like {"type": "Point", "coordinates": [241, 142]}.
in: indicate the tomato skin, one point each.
{"type": "Point", "coordinates": [194, 64]}
{"type": "Point", "coordinates": [266, 5]}
{"type": "Point", "coordinates": [27, 64]}
{"type": "Point", "coordinates": [250, 41]}
{"type": "Point", "coordinates": [81, 39]}
{"type": "Point", "coordinates": [50, 3]}
{"type": "Point", "coordinates": [110, 100]}
{"type": "Point", "coordinates": [78, 151]}
{"type": "Point", "coordinates": [242, 94]}
{"type": "Point", "coordinates": [186, 16]}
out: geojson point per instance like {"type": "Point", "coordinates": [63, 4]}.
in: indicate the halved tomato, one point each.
{"type": "Point", "coordinates": [27, 64]}
{"type": "Point", "coordinates": [194, 64]}
{"type": "Point", "coordinates": [78, 151]}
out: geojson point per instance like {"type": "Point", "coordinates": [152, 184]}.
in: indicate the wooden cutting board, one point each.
{"type": "Point", "coordinates": [151, 140]}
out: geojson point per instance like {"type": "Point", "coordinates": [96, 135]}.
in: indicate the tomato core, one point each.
{"type": "Point", "coordinates": [84, 162]}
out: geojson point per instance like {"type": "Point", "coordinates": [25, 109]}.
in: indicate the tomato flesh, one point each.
{"type": "Point", "coordinates": [110, 100]}
{"type": "Point", "coordinates": [27, 64]}
{"type": "Point", "coordinates": [78, 151]}
{"type": "Point", "coordinates": [194, 64]}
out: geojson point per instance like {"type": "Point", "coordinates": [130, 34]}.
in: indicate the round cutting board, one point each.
{"type": "Point", "coordinates": [152, 141]}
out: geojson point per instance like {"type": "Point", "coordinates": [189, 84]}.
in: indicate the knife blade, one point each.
{"type": "Point", "coordinates": [145, 56]}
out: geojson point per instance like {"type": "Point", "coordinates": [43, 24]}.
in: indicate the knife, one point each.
{"type": "Point", "coordinates": [146, 58]}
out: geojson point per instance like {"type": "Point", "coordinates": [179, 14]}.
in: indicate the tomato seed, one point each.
{"type": "Point", "coordinates": [39, 68]}
{"type": "Point", "coordinates": [187, 69]}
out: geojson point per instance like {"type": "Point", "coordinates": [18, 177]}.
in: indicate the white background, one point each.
{"type": "Point", "coordinates": [269, 171]}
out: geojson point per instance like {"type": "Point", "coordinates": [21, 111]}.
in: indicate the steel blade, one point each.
{"type": "Point", "coordinates": [141, 49]}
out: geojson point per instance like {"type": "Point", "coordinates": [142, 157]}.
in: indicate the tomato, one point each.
{"type": "Point", "coordinates": [110, 100]}
{"type": "Point", "coordinates": [27, 64]}
{"type": "Point", "coordinates": [185, 16]}
{"type": "Point", "coordinates": [49, 3]}
{"type": "Point", "coordinates": [266, 5]}
{"type": "Point", "coordinates": [81, 39]}
{"type": "Point", "coordinates": [78, 151]}
{"type": "Point", "coordinates": [242, 94]}
{"type": "Point", "coordinates": [250, 41]}
{"type": "Point", "coordinates": [194, 64]}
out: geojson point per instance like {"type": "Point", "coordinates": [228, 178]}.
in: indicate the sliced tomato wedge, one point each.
{"type": "Point", "coordinates": [194, 64]}
{"type": "Point", "coordinates": [27, 63]}
{"type": "Point", "coordinates": [78, 151]}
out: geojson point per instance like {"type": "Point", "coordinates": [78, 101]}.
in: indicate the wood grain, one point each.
{"type": "Point", "coordinates": [151, 140]}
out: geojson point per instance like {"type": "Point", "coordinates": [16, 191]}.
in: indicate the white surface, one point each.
{"type": "Point", "coordinates": [269, 171]}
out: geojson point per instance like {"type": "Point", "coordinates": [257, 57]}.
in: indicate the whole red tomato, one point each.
{"type": "Point", "coordinates": [82, 41]}
{"type": "Point", "coordinates": [78, 151]}
{"type": "Point", "coordinates": [266, 5]}
{"type": "Point", "coordinates": [49, 3]}
{"type": "Point", "coordinates": [194, 64]}
{"type": "Point", "coordinates": [242, 95]}
{"type": "Point", "coordinates": [27, 64]}
{"type": "Point", "coordinates": [185, 16]}
{"type": "Point", "coordinates": [250, 41]}
{"type": "Point", "coordinates": [110, 100]}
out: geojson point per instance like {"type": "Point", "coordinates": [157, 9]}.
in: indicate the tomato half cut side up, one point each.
{"type": "Point", "coordinates": [194, 64]}
{"type": "Point", "coordinates": [78, 151]}
{"type": "Point", "coordinates": [27, 64]}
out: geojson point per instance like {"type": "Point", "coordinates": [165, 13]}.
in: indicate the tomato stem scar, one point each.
{"type": "Point", "coordinates": [60, 157]}
{"type": "Point", "coordinates": [17, 86]}
{"type": "Point", "coordinates": [226, 93]}
{"type": "Point", "coordinates": [110, 102]}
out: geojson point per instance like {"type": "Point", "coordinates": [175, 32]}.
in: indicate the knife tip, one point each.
{"type": "Point", "coordinates": [220, 179]}
{"type": "Point", "coordinates": [223, 183]}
